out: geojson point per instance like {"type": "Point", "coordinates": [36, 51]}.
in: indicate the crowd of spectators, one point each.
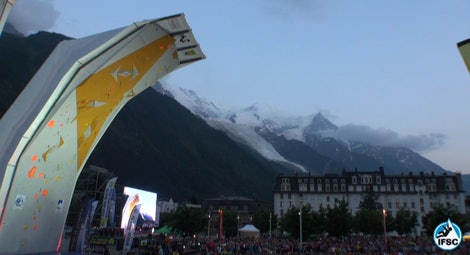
{"type": "Point", "coordinates": [329, 245]}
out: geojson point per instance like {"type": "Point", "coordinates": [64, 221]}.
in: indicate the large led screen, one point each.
{"type": "Point", "coordinates": [147, 200]}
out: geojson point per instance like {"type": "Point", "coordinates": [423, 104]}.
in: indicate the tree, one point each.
{"type": "Point", "coordinates": [188, 220]}
{"type": "Point", "coordinates": [441, 214]}
{"type": "Point", "coordinates": [291, 221]}
{"type": "Point", "coordinates": [405, 221]}
{"type": "Point", "coordinates": [368, 218]}
{"type": "Point", "coordinates": [230, 223]}
{"type": "Point", "coordinates": [166, 218]}
{"type": "Point", "coordinates": [261, 221]}
{"type": "Point", "coordinates": [368, 221]}
{"type": "Point", "coordinates": [339, 219]}
{"type": "Point", "coordinates": [370, 200]}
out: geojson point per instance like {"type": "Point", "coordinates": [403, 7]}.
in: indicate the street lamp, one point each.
{"type": "Point", "coordinates": [384, 214]}
{"type": "Point", "coordinates": [238, 226]}
{"type": "Point", "coordinates": [300, 219]}
{"type": "Point", "coordinates": [209, 226]}
{"type": "Point", "coordinates": [270, 219]}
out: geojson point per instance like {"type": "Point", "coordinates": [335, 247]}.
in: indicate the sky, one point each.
{"type": "Point", "coordinates": [389, 71]}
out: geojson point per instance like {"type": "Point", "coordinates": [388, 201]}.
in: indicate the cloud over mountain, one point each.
{"type": "Point", "coordinates": [387, 137]}
{"type": "Point", "coordinates": [33, 16]}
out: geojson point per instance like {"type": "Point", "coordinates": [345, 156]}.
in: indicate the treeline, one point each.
{"type": "Point", "coordinates": [370, 219]}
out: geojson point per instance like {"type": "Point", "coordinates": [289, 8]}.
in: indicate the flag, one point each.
{"type": "Point", "coordinates": [130, 229]}
{"type": "Point", "coordinates": [107, 200]}
{"type": "Point", "coordinates": [86, 225]}
{"type": "Point", "coordinates": [112, 211]}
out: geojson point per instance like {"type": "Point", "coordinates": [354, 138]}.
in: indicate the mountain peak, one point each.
{"type": "Point", "coordinates": [319, 124]}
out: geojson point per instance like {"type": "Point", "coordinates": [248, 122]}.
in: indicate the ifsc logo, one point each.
{"type": "Point", "coordinates": [447, 235]}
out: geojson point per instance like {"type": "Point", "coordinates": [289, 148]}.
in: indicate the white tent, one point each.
{"type": "Point", "coordinates": [249, 231]}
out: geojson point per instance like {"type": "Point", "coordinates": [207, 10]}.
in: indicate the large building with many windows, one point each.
{"type": "Point", "coordinates": [245, 208]}
{"type": "Point", "coordinates": [417, 192]}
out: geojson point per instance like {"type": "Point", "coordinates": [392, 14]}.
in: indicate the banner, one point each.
{"type": "Point", "coordinates": [107, 198]}
{"type": "Point", "coordinates": [127, 210]}
{"type": "Point", "coordinates": [130, 229]}
{"type": "Point", "coordinates": [86, 225]}
{"type": "Point", "coordinates": [112, 209]}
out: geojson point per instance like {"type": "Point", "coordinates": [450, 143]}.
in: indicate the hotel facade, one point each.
{"type": "Point", "coordinates": [416, 192]}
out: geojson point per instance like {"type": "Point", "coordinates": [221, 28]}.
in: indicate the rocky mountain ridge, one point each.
{"type": "Point", "coordinates": [261, 127]}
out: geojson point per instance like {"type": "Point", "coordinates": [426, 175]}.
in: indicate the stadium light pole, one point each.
{"type": "Point", "coordinates": [238, 226]}
{"type": "Point", "coordinates": [209, 226]}
{"type": "Point", "coordinates": [384, 214]}
{"type": "Point", "coordinates": [270, 220]}
{"type": "Point", "coordinates": [300, 228]}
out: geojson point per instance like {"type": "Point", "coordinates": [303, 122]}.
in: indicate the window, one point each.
{"type": "Point", "coordinates": [378, 180]}
{"type": "Point", "coordinates": [354, 180]}
{"type": "Point", "coordinates": [285, 187]}
{"type": "Point", "coordinates": [327, 187]}
{"type": "Point", "coordinates": [430, 187]}
{"type": "Point", "coordinates": [335, 187]}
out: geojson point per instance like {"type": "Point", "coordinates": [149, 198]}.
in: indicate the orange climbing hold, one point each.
{"type": "Point", "coordinates": [32, 172]}
{"type": "Point", "coordinates": [45, 192]}
{"type": "Point", "coordinates": [51, 123]}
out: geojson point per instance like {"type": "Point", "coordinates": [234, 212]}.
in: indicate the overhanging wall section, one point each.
{"type": "Point", "coordinates": [59, 118]}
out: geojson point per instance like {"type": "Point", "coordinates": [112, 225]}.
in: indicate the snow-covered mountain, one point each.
{"type": "Point", "coordinates": [308, 143]}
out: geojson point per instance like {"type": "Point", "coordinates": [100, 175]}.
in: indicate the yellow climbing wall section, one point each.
{"type": "Point", "coordinates": [101, 93]}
